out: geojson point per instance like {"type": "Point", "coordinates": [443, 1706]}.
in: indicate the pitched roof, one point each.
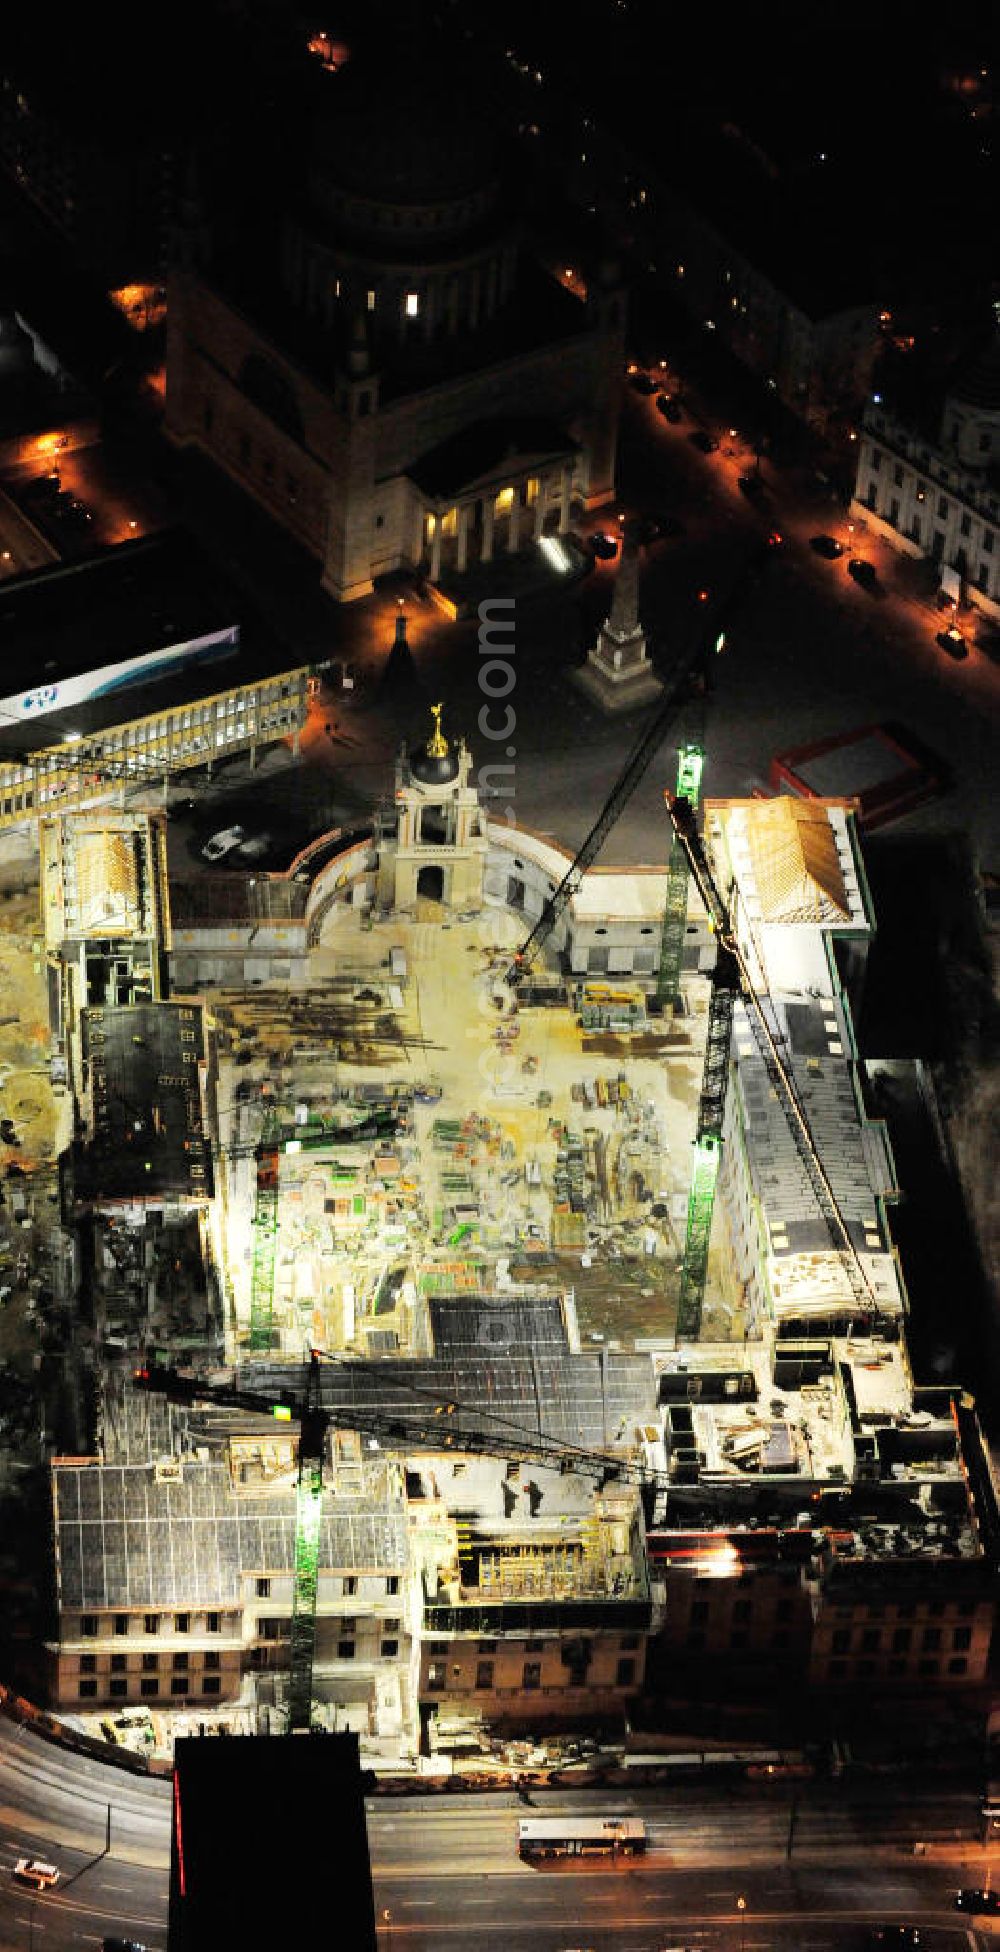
{"type": "Point", "coordinates": [795, 862]}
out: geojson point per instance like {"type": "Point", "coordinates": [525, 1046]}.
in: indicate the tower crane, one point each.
{"type": "Point", "coordinates": [732, 979]}
{"type": "Point", "coordinates": [707, 638]}
{"type": "Point", "coordinates": [426, 1423]}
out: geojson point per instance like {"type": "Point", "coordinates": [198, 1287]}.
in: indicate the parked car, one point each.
{"type": "Point", "coordinates": [604, 546]}
{"type": "Point", "coordinates": [864, 573]}
{"type": "Point", "coordinates": [826, 546]}
{"type": "Point", "coordinates": [752, 486]}
{"type": "Point", "coordinates": [703, 442]}
{"type": "Point", "coordinates": [669, 528]}
{"type": "Point", "coordinates": [669, 407]}
{"type": "Point", "coordinates": [219, 845]}
{"type": "Point", "coordinates": [121, 1945]}
{"type": "Point", "coordinates": [953, 643]}
{"type": "Point", "coordinates": [643, 383]}
{"type": "Point", "coordinates": [977, 1900]}
{"type": "Point", "coordinates": [31, 1870]}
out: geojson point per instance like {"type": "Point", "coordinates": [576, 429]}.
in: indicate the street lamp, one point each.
{"type": "Point", "coordinates": [741, 1906]}
{"type": "Point", "coordinates": [387, 1922]}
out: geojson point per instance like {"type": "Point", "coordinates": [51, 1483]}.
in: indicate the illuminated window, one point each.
{"type": "Point", "coordinates": [412, 304]}
{"type": "Point", "coordinates": [431, 525]}
{"type": "Point", "coordinates": [503, 501]}
{"type": "Point", "coordinates": [449, 522]}
{"type": "Point", "coordinates": [371, 300]}
{"type": "Point", "coordinates": [532, 492]}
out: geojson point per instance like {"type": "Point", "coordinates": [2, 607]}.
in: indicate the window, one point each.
{"type": "Point", "coordinates": [906, 1612]}
{"type": "Point", "coordinates": [625, 1674]}
{"type": "Point", "coordinates": [211, 1684]}
{"type": "Point", "coordinates": [437, 1676]}
{"type": "Point", "coordinates": [866, 1669]}
{"type": "Point", "coordinates": [487, 1647]}
{"type": "Point", "coordinates": [896, 1668]}
{"type": "Point", "coordinates": [532, 1676]}
{"type": "Point", "coordinates": [118, 1689]}
{"type": "Point", "coordinates": [967, 1608]}
{"type": "Point", "coordinates": [838, 1669]}
{"type": "Point", "coordinates": [534, 1646]}
{"type": "Point", "coordinates": [389, 1649]}
{"type": "Point", "coordinates": [88, 1663]}
{"type": "Point", "coordinates": [741, 1610]}
{"type": "Point", "coordinates": [841, 1642]}
{"type": "Point", "coordinates": [957, 1666]}
{"type": "Point", "coordinates": [942, 508]}
{"type": "Point", "coordinates": [263, 1589]}
{"type": "Point", "coordinates": [392, 1585]}
{"type": "Point", "coordinates": [179, 1660]}
{"type": "Point", "coordinates": [629, 1642]}
{"type": "Point", "coordinates": [902, 1639]}
{"type": "Point", "coordinates": [371, 299]}
{"type": "Point", "coordinates": [932, 1638]}
{"type": "Point", "coordinates": [876, 461]}
{"type": "Point", "coordinates": [121, 1622]}
{"type": "Point", "coordinates": [213, 1622]}
{"type": "Point", "coordinates": [87, 1690]}
{"type": "Point", "coordinates": [118, 1664]}
{"type": "Point", "coordinates": [345, 1650]}
{"type": "Point", "coordinates": [149, 1663]}
{"type": "Point", "coordinates": [871, 1641]}
{"type": "Point", "coordinates": [897, 476]}
{"type": "Point", "coordinates": [699, 1610]}
{"type": "Point", "coordinates": [182, 1622]}
{"type": "Point", "coordinates": [179, 1684]}
{"type": "Point", "coordinates": [965, 526]}
{"type": "Point", "coordinates": [412, 304]}
{"type": "Point", "coordinates": [147, 1687]}
{"type": "Point", "coordinates": [88, 1625]}
{"type": "Point", "coordinates": [350, 1586]}
{"type": "Point", "coordinates": [961, 1638]}
{"type": "Point", "coordinates": [274, 1629]}
{"type": "Point", "coordinates": [151, 1622]}
{"type": "Point", "coordinates": [927, 1667]}
{"type": "Point", "coordinates": [987, 542]}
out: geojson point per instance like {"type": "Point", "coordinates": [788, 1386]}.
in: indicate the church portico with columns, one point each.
{"type": "Point", "coordinates": [470, 506]}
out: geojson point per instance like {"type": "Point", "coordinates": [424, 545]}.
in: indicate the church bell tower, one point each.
{"type": "Point", "coordinates": [438, 851]}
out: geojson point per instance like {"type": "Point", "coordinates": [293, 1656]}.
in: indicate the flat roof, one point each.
{"type": "Point", "coordinates": [148, 1140]}
{"type": "Point", "coordinates": [290, 1790]}
{"type": "Point", "coordinates": [61, 625]}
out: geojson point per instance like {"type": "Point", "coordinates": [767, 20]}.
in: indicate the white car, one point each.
{"type": "Point", "coordinates": [222, 843]}
{"type": "Point", "coordinates": [31, 1870]}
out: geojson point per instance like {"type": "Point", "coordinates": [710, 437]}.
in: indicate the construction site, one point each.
{"type": "Point", "coordinates": [543, 1200]}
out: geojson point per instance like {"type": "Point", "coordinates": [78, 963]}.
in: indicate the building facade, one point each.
{"type": "Point", "coordinates": [939, 498]}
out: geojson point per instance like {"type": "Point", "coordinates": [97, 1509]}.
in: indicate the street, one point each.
{"type": "Point", "coordinates": [852, 1863]}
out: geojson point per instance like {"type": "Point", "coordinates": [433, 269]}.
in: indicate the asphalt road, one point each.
{"type": "Point", "coordinates": [852, 1862]}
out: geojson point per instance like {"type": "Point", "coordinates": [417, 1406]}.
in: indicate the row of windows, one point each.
{"type": "Point", "coordinates": [180, 1684]}
{"type": "Point", "coordinates": [931, 1640]}
{"type": "Point", "coordinates": [126, 1623]}
{"type": "Point", "coordinates": [151, 1663]}
{"type": "Point", "coordinates": [865, 1670]}
{"type": "Point", "coordinates": [531, 1675]}
{"type": "Point", "coordinates": [922, 487]}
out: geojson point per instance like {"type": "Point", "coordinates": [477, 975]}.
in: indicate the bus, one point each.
{"type": "Point", "coordinates": [580, 1836]}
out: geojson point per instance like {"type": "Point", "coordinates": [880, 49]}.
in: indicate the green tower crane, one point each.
{"type": "Point", "coordinates": [690, 764]}
{"type": "Point", "coordinates": [265, 1233]}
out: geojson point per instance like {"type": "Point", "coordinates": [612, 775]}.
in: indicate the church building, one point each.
{"type": "Point", "coordinates": [382, 365]}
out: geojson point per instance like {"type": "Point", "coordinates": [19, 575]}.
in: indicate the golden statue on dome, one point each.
{"type": "Point", "coordinates": [437, 746]}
